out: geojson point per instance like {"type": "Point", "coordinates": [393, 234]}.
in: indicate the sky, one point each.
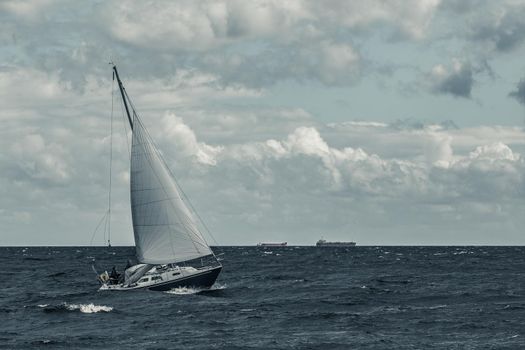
{"type": "Point", "coordinates": [382, 122]}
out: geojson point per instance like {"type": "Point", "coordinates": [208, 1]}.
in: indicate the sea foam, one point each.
{"type": "Point", "coordinates": [88, 308]}
{"type": "Point", "coordinates": [192, 290]}
{"type": "Point", "coordinates": [84, 308]}
{"type": "Point", "coordinates": [183, 291]}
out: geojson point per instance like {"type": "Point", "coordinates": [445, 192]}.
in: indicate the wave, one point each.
{"type": "Point", "coordinates": [32, 258]}
{"type": "Point", "coordinates": [514, 307]}
{"type": "Point", "coordinates": [84, 308]}
{"type": "Point", "coordinates": [46, 342]}
{"type": "Point", "coordinates": [5, 310]}
{"type": "Point", "coordinates": [57, 274]}
{"type": "Point", "coordinates": [89, 308]}
{"type": "Point", "coordinates": [184, 290]}
{"type": "Point", "coordinates": [392, 281]}
{"type": "Point", "coordinates": [427, 307]}
{"type": "Point", "coordinates": [218, 286]}
{"type": "Point", "coordinates": [193, 290]}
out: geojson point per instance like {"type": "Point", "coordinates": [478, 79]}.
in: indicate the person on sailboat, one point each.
{"type": "Point", "coordinates": [128, 264]}
{"type": "Point", "coordinates": [114, 276]}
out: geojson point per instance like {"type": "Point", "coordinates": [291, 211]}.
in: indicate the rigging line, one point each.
{"type": "Point", "coordinates": [105, 227]}
{"type": "Point", "coordinates": [193, 209]}
{"type": "Point", "coordinates": [131, 104]}
{"type": "Point", "coordinates": [110, 161]}
{"type": "Point", "coordinates": [96, 228]}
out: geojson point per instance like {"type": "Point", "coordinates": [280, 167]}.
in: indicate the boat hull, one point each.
{"type": "Point", "coordinates": [205, 279]}
{"type": "Point", "coordinates": [199, 279]}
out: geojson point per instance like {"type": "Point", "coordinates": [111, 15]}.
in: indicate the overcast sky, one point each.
{"type": "Point", "coordinates": [383, 122]}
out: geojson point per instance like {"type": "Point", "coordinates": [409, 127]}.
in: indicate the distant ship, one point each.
{"type": "Point", "coordinates": [324, 243]}
{"type": "Point", "coordinates": [272, 244]}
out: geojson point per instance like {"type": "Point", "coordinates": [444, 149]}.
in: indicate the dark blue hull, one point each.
{"type": "Point", "coordinates": [201, 280]}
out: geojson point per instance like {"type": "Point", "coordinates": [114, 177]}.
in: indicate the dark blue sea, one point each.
{"type": "Point", "coordinates": [273, 298]}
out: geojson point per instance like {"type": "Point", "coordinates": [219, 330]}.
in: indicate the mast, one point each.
{"type": "Point", "coordinates": [122, 93]}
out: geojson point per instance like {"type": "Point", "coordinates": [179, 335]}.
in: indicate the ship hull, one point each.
{"type": "Point", "coordinates": [283, 244]}
{"type": "Point", "coordinates": [351, 244]}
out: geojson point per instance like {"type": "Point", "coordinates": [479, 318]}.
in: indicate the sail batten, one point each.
{"type": "Point", "coordinates": [164, 228]}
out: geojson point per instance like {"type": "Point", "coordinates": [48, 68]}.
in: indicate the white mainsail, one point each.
{"type": "Point", "coordinates": [165, 229]}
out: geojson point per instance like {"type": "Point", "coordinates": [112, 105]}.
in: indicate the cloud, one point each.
{"type": "Point", "coordinates": [407, 18]}
{"type": "Point", "coordinates": [253, 139]}
{"type": "Point", "coordinates": [490, 173]}
{"type": "Point", "coordinates": [519, 93]}
{"type": "Point", "coordinates": [186, 141]}
{"type": "Point", "coordinates": [330, 62]}
{"type": "Point", "coordinates": [303, 180]}
{"type": "Point", "coordinates": [38, 160]}
{"type": "Point", "coordinates": [503, 28]}
{"type": "Point", "coordinates": [496, 24]}
{"type": "Point", "coordinates": [456, 80]}
{"type": "Point", "coordinates": [338, 63]}
{"type": "Point", "coordinates": [246, 45]}
{"type": "Point", "coordinates": [293, 178]}
{"type": "Point", "coordinates": [201, 25]}
{"type": "Point", "coordinates": [354, 171]}
{"type": "Point", "coordinates": [438, 149]}
{"type": "Point", "coordinates": [494, 152]}
{"type": "Point", "coordinates": [29, 9]}
{"type": "Point", "coordinates": [254, 44]}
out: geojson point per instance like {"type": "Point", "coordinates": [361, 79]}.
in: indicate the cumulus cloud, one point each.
{"type": "Point", "coordinates": [253, 140]}
{"type": "Point", "coordinates": [295, 178]}
{"type": "Point", "coordinates": [439, 149]}
{"type": "Point", "coordinates": [186, 141]}
{"type": "Point", "coordinates": [353, 170]}
{"type": "Point", "coordinates": [456, 80]}
{"type": "Point", "coordinates": [494, 152]}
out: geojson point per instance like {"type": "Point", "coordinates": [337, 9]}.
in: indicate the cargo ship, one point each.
{"type": "Point", "coordinates": [272, 244]}
{"type": "Point", "coordinates": [324, 243]}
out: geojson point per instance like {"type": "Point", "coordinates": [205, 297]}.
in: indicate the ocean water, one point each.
{"type": "Point", "coordinates": [273, 298]}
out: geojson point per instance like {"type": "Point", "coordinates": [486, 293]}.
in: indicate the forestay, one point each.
{"type": "Point", "coordinates": [165, 229]}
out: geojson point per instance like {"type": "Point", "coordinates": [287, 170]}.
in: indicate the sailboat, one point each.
{"type": "Point", "coordinates": [170, 248]}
